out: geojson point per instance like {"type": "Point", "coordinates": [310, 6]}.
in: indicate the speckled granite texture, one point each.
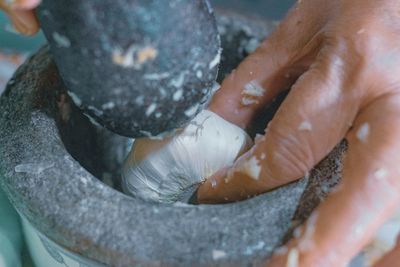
{"type": "Point", "coordinates": [138, 67]}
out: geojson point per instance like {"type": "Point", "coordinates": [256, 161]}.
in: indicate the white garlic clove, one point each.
{"type": "Point", "coordinates": [163, 170]}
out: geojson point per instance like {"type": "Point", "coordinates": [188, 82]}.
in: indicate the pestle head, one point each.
{"type": "Point", "coordinates": [137, 67]}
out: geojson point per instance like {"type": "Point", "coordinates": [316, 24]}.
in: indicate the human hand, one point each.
{"type": "Point", "coordinates": [340, 59]}
{"type": "Point", "coordinates": [21, 14]}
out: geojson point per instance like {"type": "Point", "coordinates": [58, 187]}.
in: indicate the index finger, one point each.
{"type": "Point", "coordinates": [272, 68]}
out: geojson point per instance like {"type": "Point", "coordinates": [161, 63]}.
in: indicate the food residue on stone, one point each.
{"type": "Point", "coordinates": [150, 109]}
{"type": "Point", "coordinates": [33, 168]}
{"type": "Point", "coordinates": [61, 40]}
{"type": "Point", "coordinates": [134, 56]}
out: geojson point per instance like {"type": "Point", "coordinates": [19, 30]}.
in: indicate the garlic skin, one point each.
{"type": "Point", "coordinates": [163, 170]}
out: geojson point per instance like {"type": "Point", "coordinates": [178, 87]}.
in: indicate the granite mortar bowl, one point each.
{"type": "Point", "coordinates": [61, 173]}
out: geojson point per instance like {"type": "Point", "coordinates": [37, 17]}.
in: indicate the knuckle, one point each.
{"type": "Point", "coordinates": [291, 158]}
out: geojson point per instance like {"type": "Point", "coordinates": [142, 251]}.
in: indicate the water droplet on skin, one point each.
{"type": "Point", "coordinates": [380, 173]}
{"type": "Point", "coordinates": [363, 132]}
{"type": "Point", "coordinates": [213, 182]}
{"type": "Point", "coordinates": [293, 258]}
{"type": "Point", "coordinates": [361, 31]}
{"type": "Point", "coordinates": [305, 126]}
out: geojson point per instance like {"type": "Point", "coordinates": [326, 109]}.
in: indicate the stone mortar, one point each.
{"type": "Point", "coordinates": [51, 157]}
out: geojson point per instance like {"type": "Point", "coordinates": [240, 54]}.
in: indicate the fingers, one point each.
{"type": "Point", "coordinates": [21, 15]}
{"type": "Point", "coordinates": [367, 196]}
{"type": "Point", "coordinates": [314, 117]}
{"type": "Point", "coordinates": [272, 68]}
{"type": "Point", "coordinates": [24, 21]}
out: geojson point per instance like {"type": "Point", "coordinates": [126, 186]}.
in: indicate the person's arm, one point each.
{"type": "Point", "coordinates": [341, 60]}
{"type": "Point", "coordinates": [21, 14]}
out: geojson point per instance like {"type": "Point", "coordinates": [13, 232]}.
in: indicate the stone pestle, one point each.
{"type": "Point", "coordinates": [137, 67]}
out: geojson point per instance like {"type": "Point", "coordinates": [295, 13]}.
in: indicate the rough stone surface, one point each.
{"type": "Point", "coordinates": [240, 35]}
{"type": "Point", "coordinates": [138, 67]}
{"type": "Point", "coordinates": [50, 156]}
{"type": "Point", "coordinates": [67, 203]}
